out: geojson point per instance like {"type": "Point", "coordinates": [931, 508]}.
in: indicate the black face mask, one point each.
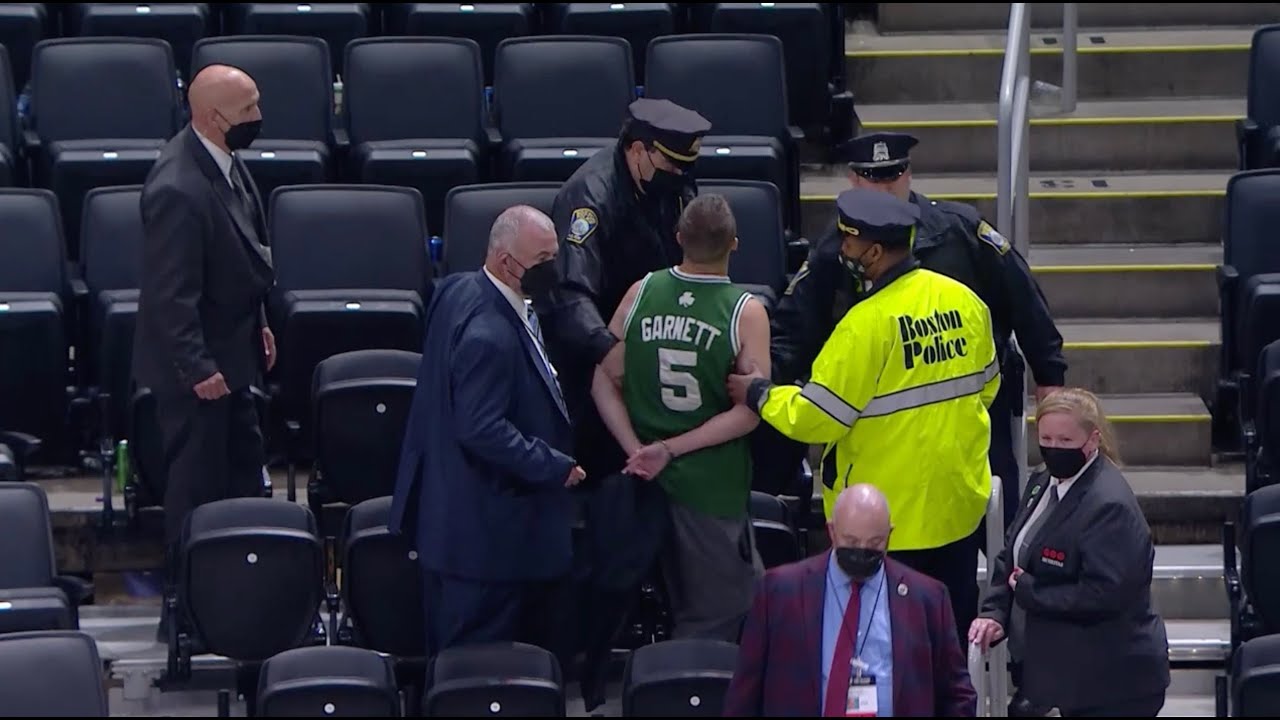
{"type": "Point", "coordinates": [1063, 463]}
{"type": "Point", "coordinates": [665, 184]}
{"type": "Point", "coordinates": [539, 280]}
{"type": "Point", "coordinates": [242, 135]}
{"type": "Point", "coordinates": [859, 563]}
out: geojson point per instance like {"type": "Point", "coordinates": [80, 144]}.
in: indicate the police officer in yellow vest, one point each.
{"type": "Point", "coordinates": [898, 397]}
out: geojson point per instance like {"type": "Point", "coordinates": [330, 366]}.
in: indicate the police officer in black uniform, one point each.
{"type": "Point", "coordinates": [616, 217]}
{"type": "Point", "coordinates": [951, 239]}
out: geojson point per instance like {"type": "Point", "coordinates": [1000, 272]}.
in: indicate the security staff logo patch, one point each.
{"type": "Point", "coordinates": [988, 235]}
{"type": "Point", "coordinates": [584, 223]}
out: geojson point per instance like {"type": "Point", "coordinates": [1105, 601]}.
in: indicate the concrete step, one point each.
{"type": "Point", "coordinates": [1099, 136]}
{"type": "Point", "coordinates": [950, 17]}
{"type": "Point", "coordinates": [1161, 208]}
{"type": "Point", "coordinates": [1186, 582]}
{"type": "Point", "coordinates": [958, 67]}
{"type": "Point", "coordinates": [1198, 641]}
{"type": "Point", "coordinates": [1167, 429]}
{"type": "Point", "coordinates": [1117, 281]}
{"type": "Point", "coordinates": [1138, 356]}
{"type": "Point", "coordinates": [1187, 505]}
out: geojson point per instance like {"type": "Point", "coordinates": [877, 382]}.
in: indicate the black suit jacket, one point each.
{"type": "Point", "coordinates": [1092, 637]}
{"type": "Point", "coordinates": [205, 273]}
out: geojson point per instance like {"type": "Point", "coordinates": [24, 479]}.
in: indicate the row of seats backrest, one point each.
{"type": "Point", "coordinates": [334, 236]}
{"type": "Point", "coordinates": [91, 88]}
{"type": "Point", "coordinates": [813, 31]}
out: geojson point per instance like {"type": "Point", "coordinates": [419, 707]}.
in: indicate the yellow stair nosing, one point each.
{"type": "Point", "coordinates": [1136, 267]}
{"type": "Point", "coordinates": [1052, 121]}
{"type": "Point", "coordinates": [1137, 344]}
{"type": "Point", "coordinates": [1060, 195]}
{"type": "Point", "coordinates": [1047, 50]}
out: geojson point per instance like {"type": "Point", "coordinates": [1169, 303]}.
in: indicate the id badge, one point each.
{"type": "Point", "coordinates": [861, 700]}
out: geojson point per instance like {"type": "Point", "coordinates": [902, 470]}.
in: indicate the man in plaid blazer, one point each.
{"type": "Point", "coordinates": [794, 659]}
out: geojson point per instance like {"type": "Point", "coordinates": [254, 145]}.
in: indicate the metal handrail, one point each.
{"type": "Point", "coordinates": [1014, 158]}
{"type": "Point", "coordinates": [989, 673]}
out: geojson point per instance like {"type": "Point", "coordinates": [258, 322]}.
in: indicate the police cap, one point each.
{"type": "Point", "coordinates": [876, 216]}
{"type": "Point", "coordinates": [674, 130]}
{"type": "Point", "coordinates": [879, 156]}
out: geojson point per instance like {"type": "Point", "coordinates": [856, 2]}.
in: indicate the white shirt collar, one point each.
{"type": "Point", "coordinates": [220, 156]}
{"type": "Point", "coordinates": [1062, 486]}
{"type": "Point", "coordinates": [517, 303]}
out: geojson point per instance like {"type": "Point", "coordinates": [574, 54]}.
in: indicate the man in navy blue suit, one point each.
{"type": "Point", "coordinates": [485, 470]}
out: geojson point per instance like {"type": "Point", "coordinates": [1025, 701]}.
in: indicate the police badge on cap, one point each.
{"type": "Point", "coordinates": [881, 156]}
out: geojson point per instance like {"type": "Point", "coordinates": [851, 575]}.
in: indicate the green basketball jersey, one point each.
{"type": "Point", "coordinates": [681, 345]}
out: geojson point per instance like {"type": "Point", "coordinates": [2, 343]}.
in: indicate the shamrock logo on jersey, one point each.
{"type": "Point", "coordinates": [686, 299]}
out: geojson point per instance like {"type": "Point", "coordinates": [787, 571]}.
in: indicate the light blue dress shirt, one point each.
{"type": "Point", "coordinates": [875, 635]}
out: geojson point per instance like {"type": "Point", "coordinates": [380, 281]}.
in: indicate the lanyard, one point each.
{"type": "Point", "coordinates": [857, 622]}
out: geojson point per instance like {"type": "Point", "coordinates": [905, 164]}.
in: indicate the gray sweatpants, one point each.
{"type": "Point", "coordinates": [710, 567]}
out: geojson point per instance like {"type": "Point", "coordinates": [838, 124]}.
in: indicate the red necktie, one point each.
{"type": "Point", "coordinates": [842, 662]}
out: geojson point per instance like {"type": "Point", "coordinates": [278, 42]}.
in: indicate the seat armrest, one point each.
{"type": "Point", "coordinates": [22, 444]}
{"type": "Point", "coordinates": [78, 590]}
{"type": "Point", "coordinates": [493, 140]}
{"type": "Point", "coordinates": [31, 143]}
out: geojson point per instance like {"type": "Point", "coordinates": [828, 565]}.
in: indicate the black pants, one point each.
{"type": "Point", "coordinates": [464, 612]}
{"type": "Point", "coordinates": [956, 566]}
{"type": "Point", "coordinates": [213, 450]}
{"type": "Point", "coordinates": [1148, 706]}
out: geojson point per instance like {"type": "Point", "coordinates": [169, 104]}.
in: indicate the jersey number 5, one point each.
{"type": "Point", "coordinates": [671, 374]}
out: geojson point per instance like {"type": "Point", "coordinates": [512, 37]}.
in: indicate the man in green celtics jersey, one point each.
{"type": "Point", "coordinates": [683, 331]}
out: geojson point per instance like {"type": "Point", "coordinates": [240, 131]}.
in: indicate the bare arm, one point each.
{"type": "Point", "coordinates": [753, 334]}
{"type": "Point", "coordinates": [605, 391]}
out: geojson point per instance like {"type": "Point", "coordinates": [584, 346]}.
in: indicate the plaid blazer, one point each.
{"type": "Point", "coordinates": [779, 672]}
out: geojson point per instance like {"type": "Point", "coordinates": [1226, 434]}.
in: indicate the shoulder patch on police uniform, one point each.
{"type": "Point", "coordinates": [583, 223]}
{"type": "Point", "coordinates": [800, 275]}
{"type": "Point", "coordinates": [988, 235]}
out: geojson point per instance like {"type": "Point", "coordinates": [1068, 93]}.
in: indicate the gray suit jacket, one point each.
{"type": "Point", "coordinates": [1092, 637]}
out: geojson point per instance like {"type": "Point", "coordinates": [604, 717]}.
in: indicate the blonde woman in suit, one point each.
{"type": "Point", "coordinates": [1071, 590]}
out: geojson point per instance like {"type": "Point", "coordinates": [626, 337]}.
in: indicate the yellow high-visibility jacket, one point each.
{"type": "Point", "coordinates": [900, 392]}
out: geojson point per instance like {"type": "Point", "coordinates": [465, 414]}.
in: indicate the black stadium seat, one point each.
{"type": "Point", "coordinates": [35, 318]}
{"type": "Point", "coordinates": [486, 23]}
{"type": "Point", "coordinates": [1253, 589]}
{"type": "Point", "coordinates": [1247, 299]}
{"type": "Point", "coordinates": [415, 114]}
{"type": "Point", "coordinates": [52, 674]}
{"type": "Point", "coordinates": [251, 574]}
{"type": "Point", "coordinates": [111, 244]}
{"type": "Point", "coordinates": [327, 681]}
{"type": "Point", "coordinates": [469, 212]}
{"type": "Point", "coordinates": [382, 592]}
{"type": "Point", "coordinates": [10, 127]}
{"type": "Point", "coordinates": [538, 90]}
{"type": "Point", "coordinates": [335, 23]}
{"type": "Point", "coordinates": [32, 594]}
{"type": "Point", "coordinates": [352, 273]}
{"type": "Point", "coordinates": [1262, 462]}
{"type": "Point", "coordinates": [179, 24]}
{"type": "Point", "coordinates": [775, 530]}
{"type": "Point", "coordinates": [360, 404]}
{"type": "Point", "coordinates": [510, 679]}
{"type": "Point", "coordinates": [382, 583]}
{"type": "Point", "coordinates": [102, 108]}
{"type": "Point", "coordinates": [760, 261]}
{"type": "Point", "coordinates": [678, 678]}
{"type": "Point", "coordinates": [802, 28]}
{"type": "Point", "coordinates": [1258, 133]}
{"type": "Point", "coordinates": [296, 84]}
{"type": "Point", "coordinates": [1255, 678]}
{"type": "Point", "coordinates": [738, 83]}
{"type": "Point", "coordinates": [22, 25]}
{"type": "Point", "coordinates": [637, 23]}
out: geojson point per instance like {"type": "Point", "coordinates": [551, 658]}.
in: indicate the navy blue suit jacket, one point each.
{"type": "Point", "coordinates": [480, 489]}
